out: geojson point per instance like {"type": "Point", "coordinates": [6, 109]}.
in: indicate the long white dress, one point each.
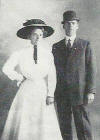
{"type": "Point", "coordinates": [29, 117]}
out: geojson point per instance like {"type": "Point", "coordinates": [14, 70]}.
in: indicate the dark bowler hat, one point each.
{"type": "Point", "coordinates": [69, 16]}
{"type": "Point", "coordinates": [29, 25]}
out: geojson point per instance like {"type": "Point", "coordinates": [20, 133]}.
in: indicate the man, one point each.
{"type": "Point", "coordinates": [76, 77]}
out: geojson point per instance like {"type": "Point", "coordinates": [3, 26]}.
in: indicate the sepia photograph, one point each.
{"type": "Point", "coordinates": [49, 70]}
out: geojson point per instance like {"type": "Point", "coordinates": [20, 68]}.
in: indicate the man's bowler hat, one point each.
{"type": "Point", "coordinates": [69, 16]}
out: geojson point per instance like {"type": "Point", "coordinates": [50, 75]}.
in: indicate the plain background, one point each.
{"type": "Point", "coordinates": [14, 12]}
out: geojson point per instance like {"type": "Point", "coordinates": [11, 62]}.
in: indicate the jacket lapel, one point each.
{"type": "Point", "coordinates": [75, 44]}
{"type": "Point", "coordinates": [62, 48]}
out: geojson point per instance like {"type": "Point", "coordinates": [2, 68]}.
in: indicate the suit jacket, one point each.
{"type": "Point", "coordinates": [76, 71]}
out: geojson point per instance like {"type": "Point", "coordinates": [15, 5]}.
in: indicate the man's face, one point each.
{"type": "Point", "coordinates": [70, 27]}
{"type": "Point", "coordinates": [36, 35]}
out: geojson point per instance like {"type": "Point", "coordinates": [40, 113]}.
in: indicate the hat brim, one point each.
{"type": "Point", "coordinates": [70, 20]}
{"type": "Point", "coordinates": [26, 31]}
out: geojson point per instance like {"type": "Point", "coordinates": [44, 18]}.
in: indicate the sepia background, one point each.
{"type": "Point", "coordinates": [14, 12]}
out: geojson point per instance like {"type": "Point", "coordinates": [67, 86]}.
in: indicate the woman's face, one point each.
{"type": "Point", "coordinates": [36, 36]}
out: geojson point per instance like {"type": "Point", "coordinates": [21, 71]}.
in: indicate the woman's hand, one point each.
{"type": "Point", "coordinates": [49, 100]}
{"type": "Point", "coordinates": [19, 79]}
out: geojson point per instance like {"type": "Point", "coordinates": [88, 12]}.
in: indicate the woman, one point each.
{"type": "Point", "coordinates": [32, 115]}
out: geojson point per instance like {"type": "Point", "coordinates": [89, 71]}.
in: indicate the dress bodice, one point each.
{"type": "Point", "coordinates": [28, 67]}
{"type": "Point", "coordinates": [31, 71]}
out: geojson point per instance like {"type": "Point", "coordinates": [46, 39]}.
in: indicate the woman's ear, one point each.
{"type": "Point", "coordinates": [44, 33]}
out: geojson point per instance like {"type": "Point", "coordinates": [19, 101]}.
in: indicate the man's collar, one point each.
{"type": "Point", "coordinates": [72, 38]}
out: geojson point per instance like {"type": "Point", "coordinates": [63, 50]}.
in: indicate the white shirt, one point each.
{"type": "Point", "coordinates": [72, 38]}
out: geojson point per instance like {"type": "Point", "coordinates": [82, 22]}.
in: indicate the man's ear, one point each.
{"type": "Point", "coordinates": [77, 25]}
{"type": "Point", "coordinates": [63, 26]}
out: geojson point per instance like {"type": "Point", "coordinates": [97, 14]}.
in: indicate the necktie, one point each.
{"type": "Point", "coordinates": [69, 44]}
{"type": "Point", "coordinates": [68, 47]}
{"type": "Point", "coordinates": [35, 54]}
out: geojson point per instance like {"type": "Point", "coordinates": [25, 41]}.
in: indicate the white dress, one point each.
{"type": "Point", "coordinates": [29, 117]}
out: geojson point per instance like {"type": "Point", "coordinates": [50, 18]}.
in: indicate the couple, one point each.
{"type": "Point", "coordinates": [32, 115]}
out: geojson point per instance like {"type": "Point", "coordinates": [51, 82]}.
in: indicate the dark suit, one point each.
{"type": "Point", "coordinates": [76, 77]}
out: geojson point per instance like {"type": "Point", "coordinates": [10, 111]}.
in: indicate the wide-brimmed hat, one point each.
{"type": "Point", "coordinates": [29, 25]}
{"type": "Point", "coordinates": [69, 16]}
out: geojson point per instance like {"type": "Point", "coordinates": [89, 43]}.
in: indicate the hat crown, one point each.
{"type": "Point", "coordinates": [70, 15]}
{"type": "Point", "coordinates": [33, 21]}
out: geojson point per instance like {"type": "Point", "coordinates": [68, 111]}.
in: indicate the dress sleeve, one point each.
{"type": "Point", "coordinates": [51, 78]}
{"type": "Point", "coordinates": [9, 67]}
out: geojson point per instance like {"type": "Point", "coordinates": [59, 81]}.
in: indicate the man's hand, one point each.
{"type": "Point", "coordinates": [49, 100]}
{"type": "Point", "coordinates": [90, 97]}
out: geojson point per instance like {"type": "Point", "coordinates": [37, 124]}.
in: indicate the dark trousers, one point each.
{"type": "Point", "coordinates": [81, 119]}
